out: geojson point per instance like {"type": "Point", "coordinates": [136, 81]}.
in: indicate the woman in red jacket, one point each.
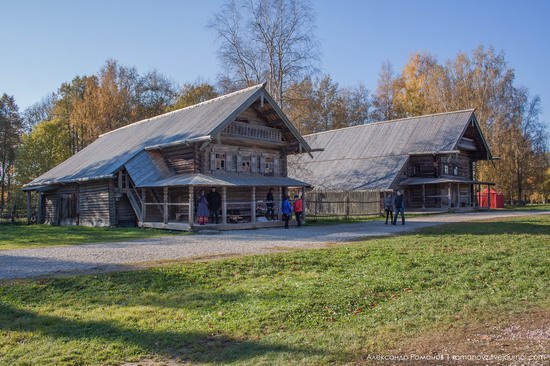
{"type": "Point", "coordinates": [298, 209]}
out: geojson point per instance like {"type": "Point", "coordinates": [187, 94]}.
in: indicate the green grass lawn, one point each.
{"type": "Point", "coordinates": [327, 306]}
{"type": "Point", "coordinates": [34, 236]}
{"type": "Point", "coordinates": [537, 207]}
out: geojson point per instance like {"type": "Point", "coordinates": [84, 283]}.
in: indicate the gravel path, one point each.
{"type": "Point", "coordinates": [53, 261]}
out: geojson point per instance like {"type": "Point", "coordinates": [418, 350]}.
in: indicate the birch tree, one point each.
{"type": "Point", "coordinates": [269, 41]}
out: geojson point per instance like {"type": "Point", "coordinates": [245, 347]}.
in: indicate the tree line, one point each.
{"type": "Point", "coordinates": [274, 42]}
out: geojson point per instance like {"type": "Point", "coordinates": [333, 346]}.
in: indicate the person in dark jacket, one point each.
{"type": "Point", "coordinates": [269, 203]}
{"type": "Point", "coordinates": [286, 209]}
{"type": "Point", "coordinates": [388, 207]}
{"type": "Point", "coordinates": [399, 206]}
{"type": "Point", "coordinates": [214, 204]}
{"type": "Point", "coordinates": [298, 209]}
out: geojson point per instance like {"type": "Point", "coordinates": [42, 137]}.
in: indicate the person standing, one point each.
{"type": "Point", "coordinates": [399, 205]}
{"type": "Point", "coordinates": [214, 204]}
{"type": "Point", "coordinates": [388, 207]}
{"type": "Point", "coordinates": [269, 203]}
{"type": "Point", "coordinates": [202, 209]}
{"type": "Point", "coordinates": [298, 209]}
{"type": "Point", "coordinates": [286, 209]}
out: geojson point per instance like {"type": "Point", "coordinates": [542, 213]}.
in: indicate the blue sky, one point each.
{"type": "Point", "coordinates": [45, 43]}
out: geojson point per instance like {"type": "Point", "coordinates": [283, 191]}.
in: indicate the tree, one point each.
{"type": "Point", "coordinates": [191, 94]}
{"type": "Point", "coordinates": [42, 149]}
{"type": "Point", "coordinates": [266, 41]}
{"type": "Point", "coordinates": [11, 128]}
{"type": "Point", "coordinates": [40, 111]}
{"type": "Point", "coordinates": [321, 105]}
{"type": "Point", "coordinates": [384, 98]}
{"type": "Point", "coordinates": [155, 94]}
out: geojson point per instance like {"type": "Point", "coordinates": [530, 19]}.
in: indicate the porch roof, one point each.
{"type": "Point", "coordinates": [226, 179]}
{"type": "Point", "coordinates": [419, 181]}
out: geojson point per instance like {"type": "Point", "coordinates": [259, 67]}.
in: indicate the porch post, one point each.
{"type": "Point", "coordinates": [39, 218]}
{"type": "Point", "coordinates": [253, 206]}
{"type": "Point", "coordinates": [165, 201]}
{"type": "Point", "coordinates": [28, 207]}
{"type": "Point", "coordinates": [191, 205]}
{"type": "Point", "coordinates": [224, 205]}
{"type": "Point", "coordinates": [143, 205]}
{"type": "Point", "coordinates": [458, 195]}
{"type": "Point", "coordinates": [279, 203]}
{"type": "Point", "coordinates": [449, 194]}
{"type": "Point", "coordinates": [423, 196]}
{"type": "Point", "coordinates": [304, 204]}
{"type": "Point", "coordinates": [489, 196]}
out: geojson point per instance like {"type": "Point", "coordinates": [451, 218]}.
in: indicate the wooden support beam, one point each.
{"type": "Point", "coordinates": [458, 195]}
{"type": "Point", "coordinates": [224, 205]}
{"type": "Point", "coordinates": [423, 196]}
{"type": "Point", "coordinates": [39, 218]}
{"type": "Point", "coordinates": [279, 202]}
{"type": "Point", "coordinates": [143, 205]}
{"type": "Point", "coordinates": [304, 204]}
{"type": "Point", "coordinates": [191, 205]}
{"type": "Point", "coordinates": [449, 192]}
{"type": "Point", "coordinates": [165, 201]}
{"type": "Point", "coordinates": [253, 206]}
{"type": "Point", "coordinates": [28, 207]}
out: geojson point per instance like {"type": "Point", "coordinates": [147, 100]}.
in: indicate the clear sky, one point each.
{"type": "Point", "coordinates": [45, 43]}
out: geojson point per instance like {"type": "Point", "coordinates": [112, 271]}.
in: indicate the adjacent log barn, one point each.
{"type": "Point", "coordinates": [431, 158]}
{"type": "Point", "coordinates": [151, 172]}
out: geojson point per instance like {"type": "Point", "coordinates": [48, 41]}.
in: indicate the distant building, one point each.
{"type": "Point", "coordinates": [151, 172]}
{"type": "Point", "coordinates": [431, 158]}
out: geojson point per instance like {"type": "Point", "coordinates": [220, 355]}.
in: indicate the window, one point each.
{"type": "Point", "coordinates": [416, 170]}
{"type": "Point", "coordinates": [219, 161]}
{"type": "Point", "coordinates": [446, 169]}
{"type": "Point", "coordinates": [245, 164]}
{"type": "Point", "coordinates": [268, 166]}
{"type": "Point", "coordinates": [455, 170]}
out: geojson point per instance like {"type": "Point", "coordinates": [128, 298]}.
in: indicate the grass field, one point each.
{"type": "Point", "coordinates": [35, 236]}
{"type": "Point", "coordinates": [537, 207]}
{"type": "Point", "coordinates": [327, 306]}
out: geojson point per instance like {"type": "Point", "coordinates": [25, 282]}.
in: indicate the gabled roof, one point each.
{"type": "Point", "coordinates": [105, 156]}
{"type": "Point", "coordinates": [372, 155]}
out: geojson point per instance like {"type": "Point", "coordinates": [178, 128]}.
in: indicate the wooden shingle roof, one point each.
{"type": "Point", "coordinates": [371, 155]}
{"type": "Point", "coordinates": [105, 156]}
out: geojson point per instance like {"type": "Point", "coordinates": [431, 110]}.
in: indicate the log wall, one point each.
{"type": "Point", "coordinates": [96, 204]}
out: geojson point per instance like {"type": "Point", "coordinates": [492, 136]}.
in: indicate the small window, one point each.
{"type": "Point", "coordinates": [245, 164]}
{"type": "Point", "coordinates": [455, 170]}
{"type": "Point", "coordinates": [446, 169]}
{"type": "Point", "coordinates": [220, 161]}
{"type": "Point", "coordinates": [416, 170]}
{"type": "Point", "coordinates": [268, 168]}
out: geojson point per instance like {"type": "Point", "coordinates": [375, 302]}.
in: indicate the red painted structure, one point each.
{"type": "Point", "coordinates": [496, 200]}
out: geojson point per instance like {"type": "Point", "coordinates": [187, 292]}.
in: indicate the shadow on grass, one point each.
{"type": "Point", "coordinates": [187, 346]}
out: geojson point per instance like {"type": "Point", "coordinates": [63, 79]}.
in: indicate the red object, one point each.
{"type": "Point", "coordinates": [497, 199]}
{"type": "Point", "coordinates": [298, 207]}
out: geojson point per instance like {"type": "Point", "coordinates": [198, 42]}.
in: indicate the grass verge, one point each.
{"type": "Point", "coordinates": [328, 306]}
{"type": "Point", "coordinates": [36, 236]}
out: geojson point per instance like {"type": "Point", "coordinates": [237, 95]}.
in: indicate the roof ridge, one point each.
{"type": "Point", "coordinates": [257, 86]}
{"type": "Point", "coordinates": [393, 120]}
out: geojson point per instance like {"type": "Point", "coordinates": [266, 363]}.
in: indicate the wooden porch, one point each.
{"type": "Point", "coordinates": [173, 208]}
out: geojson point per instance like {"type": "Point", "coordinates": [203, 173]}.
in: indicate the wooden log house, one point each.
{"type": "Point", "coordinates": [151, 172]}
{"type": "Point", "coordinates": [431, 158]}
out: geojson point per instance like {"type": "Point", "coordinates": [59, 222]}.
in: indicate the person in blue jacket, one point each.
{"type": "Point", "coordinates": [399, 207]}
{"type": "Point", "coordinates": [286, 209]}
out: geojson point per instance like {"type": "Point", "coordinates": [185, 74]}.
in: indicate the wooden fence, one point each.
{"type": "Point", "coordinates": [345, 204]}
{"type": "Point", "coordinates": [13, 216]}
